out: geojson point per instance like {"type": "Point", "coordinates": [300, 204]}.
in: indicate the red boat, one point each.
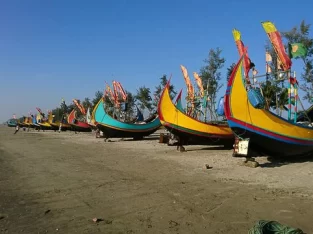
{"type": "Point", "coordinates": [76, 125]}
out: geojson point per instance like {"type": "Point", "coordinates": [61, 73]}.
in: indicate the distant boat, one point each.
{"type": "Point", "coordinates": [77, 125]}
{"type": "Point", "coordinates": [12, 122]}
{"type": "Point", "coordinates": [90, 119]}
{"type": "Point", "coordinates": [55, 125]}
{"type": "Point", "coordinates": [113, 128]}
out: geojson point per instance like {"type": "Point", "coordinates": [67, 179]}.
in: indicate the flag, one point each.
{"type": "Point", "coordinates": [80, 107]}
{"type": "Point", "coordinates": [188, 83]}
{"type": "Point", "coordinates": [268, 57]}
{"type": "Point", "coordinates": [277, 43]}
{"type": "Point", "coordinates": [199, 83]}
{"type": "Point", "coordinates": [242, 51]}
{"type": "Point", "coordinates": [297, 50]}
{"type": "Point", "coordinates": [279, 65]}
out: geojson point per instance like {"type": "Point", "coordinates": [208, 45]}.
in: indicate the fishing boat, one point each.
{"type": "Point", "coordinates": [76, 125]}
{"type": "Point", "coordinates": [90, 120]}
{"type": "Point", "coordinates": [34, 123]}
{"type": "Point", "coordinates": [188, 129]}
{"type": "Point", "coordinates": [12, 122]}
{"type": "Point", "coordinates": [28, 122]}
{"type": "Point", "coordinates": [55, 125]}
{"type": "Point", "coordinates": [42, 121]}
{"type": "Point", "coordinates": [44, 125]}
{"type": "Point", "coordinates": [113, 128]}
{"type": "Point", "coordinates": [23, 122]}
{"type": "Point", "coordinates": [260, 129]}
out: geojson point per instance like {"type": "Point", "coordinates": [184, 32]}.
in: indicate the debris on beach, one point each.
{"type": "Point", "coordinates": [250, 162]}
{"type": "Point", "coordinates": [47, 211]}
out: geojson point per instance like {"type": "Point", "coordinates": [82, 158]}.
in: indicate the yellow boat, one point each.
{"type": "Point", "coordinates": [260, 128]}
{"type": "Point", "coordinates": [44, 125]}
{"type": "Point", "coordinates": [190, 129]}
{"type": "Point", "coordinates": [27, 122]}
{"type": "Point", "coordinates": [55, 125]}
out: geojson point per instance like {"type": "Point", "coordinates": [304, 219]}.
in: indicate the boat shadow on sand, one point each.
{"type": "Point", "coordinates": [279, 161]}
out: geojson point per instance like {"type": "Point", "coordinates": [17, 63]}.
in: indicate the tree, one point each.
{"type": "Point", "coordinates": [230, 71]}
{"type": "Point", "coordinates": [87, 103]}
{"type": "Point", "coordinates": [159, 89]}
{"type": "Point", "coordinates": [130, 106]}
{"type": "Point", "coordinates": [300, 34]}
{"type": "Point", "coordinates": [143, 98]}
{"type": "Point", "coordinates": [96, 99]}
{"type": "Point", "coordinates": [211, 76]}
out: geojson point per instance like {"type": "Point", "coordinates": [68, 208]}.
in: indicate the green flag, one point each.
{"type": "Point", "coordinates": [297, 50]}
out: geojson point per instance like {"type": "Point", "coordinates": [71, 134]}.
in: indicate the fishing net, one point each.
{"type": "Point", "coordinates": [273, 227]}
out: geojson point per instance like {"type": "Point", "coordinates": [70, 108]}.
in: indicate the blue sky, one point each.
{"type": "Point", "coordinates": [55, 49]}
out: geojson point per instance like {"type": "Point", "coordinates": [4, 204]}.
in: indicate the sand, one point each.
{"type": "Point", "coordinates": [54, 182]}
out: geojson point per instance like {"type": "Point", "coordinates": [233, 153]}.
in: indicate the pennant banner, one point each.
{"type": "Point", "coordinates": [242, 50]}
{"type": "Point", "coordinates": [80, 107]}
{"type": "Point", "coordinates": [199, 83]}
{"type": "Point", "coordinates": [190, 89]}
{"type": "Point", "coordinates": [277, 43]}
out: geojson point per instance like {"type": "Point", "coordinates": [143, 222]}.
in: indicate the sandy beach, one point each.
{"type": "Point", "coordinates": [54, 182]}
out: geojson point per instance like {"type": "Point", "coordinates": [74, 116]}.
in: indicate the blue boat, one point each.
{"type": "Point", "coordinates": [113, 128]}
{"type": "Point", "coordinates": [12, 122]}
{"type": "Point", "coordinates": [34, 122]}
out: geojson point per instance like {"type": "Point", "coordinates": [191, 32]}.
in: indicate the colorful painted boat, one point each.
{"type": "Point", "coordinates": [12, 122]}
{"type": "Point", "coordinates": [55, 125]}
{"type": "Point", "coordinates": [90, 120]}
{"type": "Point", "coordinates": [113, 128]}
{"type": "Point", "coordinates": [263, 130]}
{"type": "Point", "coordinates": [27, 123]}
{"type": "Point", "coordinates": [44, 124]}
{"type": "Point", "coordinates": [188, 129]}
{"type": "Point", "coordinates": [76, 125]}
{"type": "Point", "coordinates": [34, 122]}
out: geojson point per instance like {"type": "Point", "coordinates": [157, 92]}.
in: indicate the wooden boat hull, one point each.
{"type": "Point", "coordinates": [79, 126]}
{"type": "Point", "coordinates": [191, 130]}
{"type": "Point", "coordinates": [12, 123]}
{"type": "Point", "coordinates": [266, 131]}
{"type": "Point", "coordinates": [113, 128]}
{"type": "Point", "coordinates": [56, 126]}
{"type": "Point", "coordinates": [193, 138]}
{"type": "Point", "coordinates": [271, 146]}
{"type": "Point", "coordinates": [45, 126]}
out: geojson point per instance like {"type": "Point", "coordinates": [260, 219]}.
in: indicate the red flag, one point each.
{"type": "Point", "coordinates": [277, 43]}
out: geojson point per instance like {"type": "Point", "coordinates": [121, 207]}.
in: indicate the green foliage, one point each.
{"type": "Point", "coordinates": [300, 34]}
{"type": "Point", "coordinates": [96, 99]}
{"type": "Point", "coordinates": [159, 89]}
{"type": "Point", "coordinates": [143, 98]}
{"type": "Point", "coordinates": [87, 103]}
{"type": "Point", "coordinates": [211, 77]}
{"type": "Point", "coordinates": [275, 97]}
{"type": "Point", "coordinates": [230, 71]}
{"type": "Point", "coordinates": [131, 106]}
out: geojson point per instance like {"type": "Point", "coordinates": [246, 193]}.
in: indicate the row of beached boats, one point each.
{"type": "Point", "coordinates": [247, 125]}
